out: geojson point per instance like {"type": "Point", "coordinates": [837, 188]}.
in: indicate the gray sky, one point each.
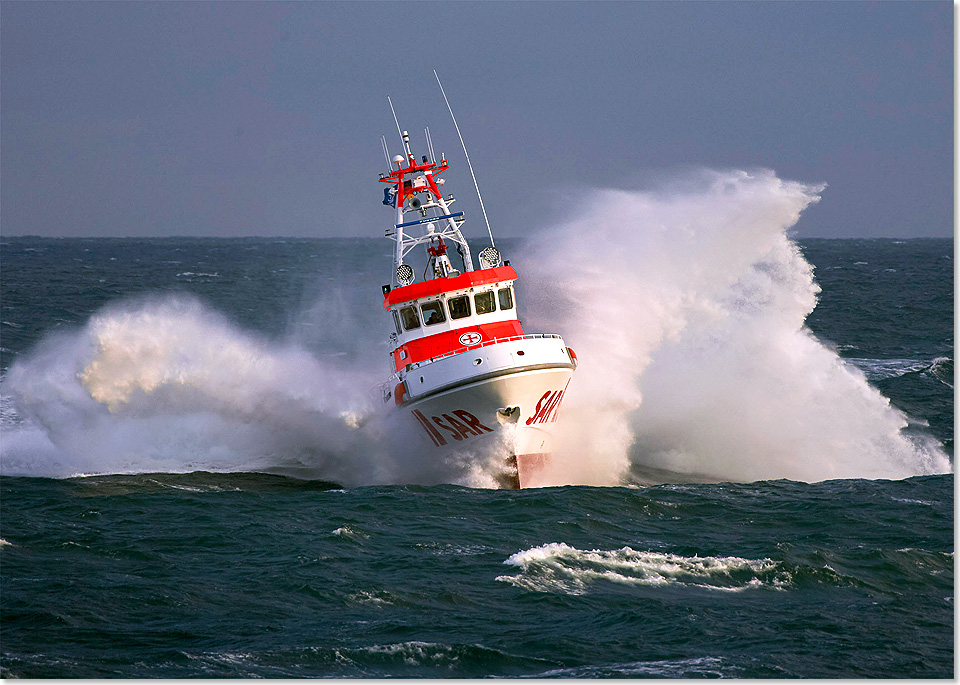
{"type": "Point", "coordinates": [233, 119]}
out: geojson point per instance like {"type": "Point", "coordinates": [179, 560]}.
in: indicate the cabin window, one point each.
{"type": "Point", "coordinates": [484, 302]}
{"type": "Point", "coordinates": [506, 298]}
{"type": "Point", "coordinates": [409, 317]}
{"type": "Point", "coordinates": [459, 307]}
{"type": "Point", "coordinates": [432, 313]}
{"type": "Point", "coordinates": [396, 321]}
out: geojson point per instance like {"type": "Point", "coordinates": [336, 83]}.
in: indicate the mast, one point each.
{"type": "Point", "coordinates": [414, 188]}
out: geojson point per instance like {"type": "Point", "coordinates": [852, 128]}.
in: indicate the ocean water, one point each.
{"type": "Point", "coordinates": [755, 478]}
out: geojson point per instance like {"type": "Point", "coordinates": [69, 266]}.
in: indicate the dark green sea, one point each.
{"type": "Point", "coordinates": [179, 496]}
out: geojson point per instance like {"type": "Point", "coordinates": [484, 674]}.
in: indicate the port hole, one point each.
{"type": "Point", "coordinates": [520, 353]}
{"type": "Point", "coordinates": [477, 362]}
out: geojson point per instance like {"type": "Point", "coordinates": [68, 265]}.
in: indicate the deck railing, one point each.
{"type": "Point", "coordinates": [495, 341]}
{"type": "Point", "coordinates": [385, 388]}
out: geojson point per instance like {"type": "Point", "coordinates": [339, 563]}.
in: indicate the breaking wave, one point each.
{"type": "Point", "coordinates": [560, 568]}
{"type": "Point", "coordinates": [686, 307]}
{"type": "Point", "coordinates": [875, 370]}
{"type": "Point", "coordinates": [168, 385]}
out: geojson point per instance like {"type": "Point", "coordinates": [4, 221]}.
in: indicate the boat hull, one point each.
{"type": "Point", "coordinates": [510, 414]}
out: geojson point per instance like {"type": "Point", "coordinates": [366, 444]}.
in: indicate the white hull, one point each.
{"type": "Point", "coordinates": [511, 413]}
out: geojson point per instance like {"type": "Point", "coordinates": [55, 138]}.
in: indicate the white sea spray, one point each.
{"type": "Point", "coordinates": [686, 307]}
{"type": "Point", "coordinates": [685, 304]}
{"type": "Point", "coordinates": [167, 384]}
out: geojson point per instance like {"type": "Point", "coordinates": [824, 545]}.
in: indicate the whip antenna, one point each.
{"type": "Point", "coordinates": [386, 154]}
{"type": "Point", "coordinates": [469, 165]}
{"type": "Point", "coordinates": [397, 121]}
{"type": "Point", "coordinates": [433, 156]}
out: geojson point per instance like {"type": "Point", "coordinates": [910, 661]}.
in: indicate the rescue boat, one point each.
{"type": "Point", "coordinates": [465, 375]}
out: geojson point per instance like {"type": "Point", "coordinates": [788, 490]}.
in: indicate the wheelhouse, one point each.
{"type": "Point", "coordinates": [453, 307]}
{"type": "Point", "coordinates": [437, 324]}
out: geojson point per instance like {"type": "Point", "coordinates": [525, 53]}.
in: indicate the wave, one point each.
{"type": "Point", "coordinates": [685, 304]}
{"type": "Point", "coordinates": [414, 657]}
{"type": "Point", "coordinates": [558, 567]}
{"type": "Point", "coordinates": [940, 368]}
{"type": "Point", "coordinates": [696, 667]}
{"type": "Point", "coordinates": [168, 385]}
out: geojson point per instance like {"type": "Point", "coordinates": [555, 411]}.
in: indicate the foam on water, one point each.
{"type": "Point", "coordinates": [685, 305]}
{"type": "Point", "coordinates": [880, 369]}
{"type": "Point", "coordinates": [416, 657]}
{"type": "Point", "coordinates": [558, 567]}
{"type": "Point", "coordinates": [701, 667]}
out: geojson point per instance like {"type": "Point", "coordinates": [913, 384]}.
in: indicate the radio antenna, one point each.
{"type": "Point", "coordinates": [397, 121]}
{"type": "Point", "coordinates": [469, 165]}
{"type": "Point", "coordinates": [386, 154]}
{"type": "Point", "coordinates": [433, 156]}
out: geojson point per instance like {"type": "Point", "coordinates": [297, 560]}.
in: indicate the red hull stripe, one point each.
{"type": "Point", "coordinates": [448, 341]}
{"type": "Point", "coordinates": [435, 286]}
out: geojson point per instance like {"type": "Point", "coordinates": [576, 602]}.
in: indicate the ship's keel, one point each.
{"type": "Point", "coordinates": [522, 471]}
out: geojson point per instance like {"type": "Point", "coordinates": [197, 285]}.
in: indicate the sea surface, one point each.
{"type": "Point", "coordinates": [177, 565]}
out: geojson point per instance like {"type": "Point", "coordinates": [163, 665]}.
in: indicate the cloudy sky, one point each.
{"type": "Point", "coordinates": [235, 119]}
